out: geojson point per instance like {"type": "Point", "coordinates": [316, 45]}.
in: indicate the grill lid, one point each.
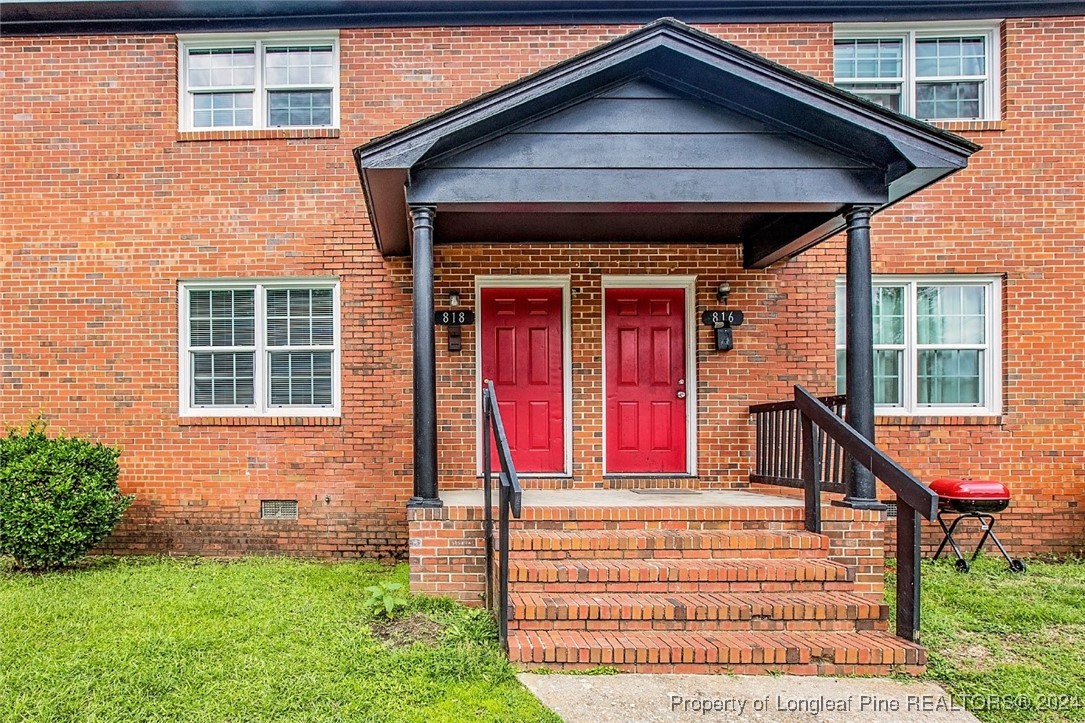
{"type": "Point", "coordinates": [969, 489]}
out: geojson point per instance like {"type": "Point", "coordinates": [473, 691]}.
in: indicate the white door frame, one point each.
{"type": "Point", "coordinates": [530, 282]}
{"type": "Point", "coordinates": [649, 281]}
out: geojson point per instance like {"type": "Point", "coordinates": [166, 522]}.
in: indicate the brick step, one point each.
{"type": "Point", "coordinates": [548, 544]}
{"type": "Point", "coordinates": [676, 575]}
{"type": "Point", "coordinates": [600, 524]}
{"type": "Point", "coordinates": [674, 517]}
{"type": "Point", "coordinates": [744, 652]}
{"type": "Point", "coordinates": [694, 611]}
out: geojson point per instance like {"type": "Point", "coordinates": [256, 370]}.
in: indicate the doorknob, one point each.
{"type": "Point", "coordinates": [681, 395]}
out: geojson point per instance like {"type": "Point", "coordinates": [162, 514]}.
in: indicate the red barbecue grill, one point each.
{"type": "Point", "coordinates": [972, 499]}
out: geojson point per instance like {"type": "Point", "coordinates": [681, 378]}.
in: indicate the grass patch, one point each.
{"type": "Point", "coordinates": [993, 633]}
{"type": "Point", "coordinates": [259, 639]}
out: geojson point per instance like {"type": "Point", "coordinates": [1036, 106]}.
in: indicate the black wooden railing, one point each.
{"type": "Point", "coordinates": [778, 459]}
{"type": "Point", "coordinates": [508, 501]}
{"type": "Point", "coordinates": [817, 423]}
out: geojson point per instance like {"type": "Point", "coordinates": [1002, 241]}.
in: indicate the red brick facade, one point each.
{"type": "Point", "coordinates": [106, 207]}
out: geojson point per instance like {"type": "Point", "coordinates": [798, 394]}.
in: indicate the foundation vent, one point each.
{"type": "Point", "coordinates": [891, 509]}
{"type": "Point", "coordinates": [278, 509]}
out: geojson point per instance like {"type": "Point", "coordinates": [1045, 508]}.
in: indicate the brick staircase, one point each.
{"type": "Point", "coordinates": [700, 589]}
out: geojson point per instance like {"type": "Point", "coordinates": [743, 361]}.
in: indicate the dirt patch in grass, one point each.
{"type": "Point", "coordinates": [983, 651]}
{"type": "Point", "coordinates": [975, 657]}
{"type": "Point", "coordinates": [406, 631]}
{"type": "Point", "coordinates": [1069, 636]}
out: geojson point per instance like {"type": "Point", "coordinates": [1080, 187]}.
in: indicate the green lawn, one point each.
{"type": "Point", "coordinates": [992, 633]}
{"type": "Point", "coordinates": [254, 640]}
{"type": "Point", "coordinates": [147, 639]}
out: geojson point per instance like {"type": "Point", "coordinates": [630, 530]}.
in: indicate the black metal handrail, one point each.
{"type": "Point", "coordinates": [509, 500]}
{"type": "Point", "coordinates": [778, 452]}
{"type": "Point", "coordinates": [914, 499]}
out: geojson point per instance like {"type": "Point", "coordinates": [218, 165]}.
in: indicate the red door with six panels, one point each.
{"type": "Point", "coordinates": [645, 381]}
{"type": "Point", "coordinates": [521, 341]}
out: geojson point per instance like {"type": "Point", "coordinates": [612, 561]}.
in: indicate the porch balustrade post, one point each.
{"type": "Point", "coordinates": [859, 308]}
{"type": "Point", "coordinates": [425, 362]}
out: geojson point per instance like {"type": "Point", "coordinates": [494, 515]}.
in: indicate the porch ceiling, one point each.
{"type": "Point", "coordinates": [664, 135]}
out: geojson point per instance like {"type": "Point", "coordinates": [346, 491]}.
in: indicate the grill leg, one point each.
{"type": "Point", "coordinates": [945, 536]}
{"type": "Point", "coordinates": [987, 522]}
{"type": "Point", "coordinates": [962, 564]}
{"type": "Point", "coordinates": [989, 531]}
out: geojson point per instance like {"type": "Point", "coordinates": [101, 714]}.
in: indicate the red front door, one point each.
{"type": "Point", "coordinates": [645, 380]}
{"type": "Point", "coordinates": [522, 354]}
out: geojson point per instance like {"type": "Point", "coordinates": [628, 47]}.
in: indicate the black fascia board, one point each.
{"type": "Point", "coordinates": [87, 17]}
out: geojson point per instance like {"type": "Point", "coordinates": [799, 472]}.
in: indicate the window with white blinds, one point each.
{"type": "Point", "coordinates": [233, 81]}
{"type": "Point", "coordinates": [260, 348]}
{"type": "Point", "coordinates": [936, 71]}
{"type": "Point", "coordinates": [936, 345]}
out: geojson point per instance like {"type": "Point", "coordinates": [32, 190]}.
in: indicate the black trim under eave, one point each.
{"type": "Point", "coordinates": [86, 17]}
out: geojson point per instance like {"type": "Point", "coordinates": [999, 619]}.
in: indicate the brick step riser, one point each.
{"type": "Point", "coordinates": [682, 587]}
{"type": "Point", "coordinates": [640, 572]}
{"type": "Point", "coordinates": [822, 669]}
{"type": "Point", "coordinates": [632, 657]}
{"type": "Point", "coordinates": [534, 608]}
{"type": "Point", "coordinates": [693, 626]}
{"type": "Point", "coordinates": [671, 554]}
{"type": "Point", "coordinates": [590, 544]}
{"type": "Point", "coordinates": [565, 525]}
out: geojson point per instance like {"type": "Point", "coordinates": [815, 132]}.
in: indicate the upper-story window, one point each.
{"type": "Point", "coordinates": [283, 80]}
{"type": "Point", "coordinates": [946, 71]}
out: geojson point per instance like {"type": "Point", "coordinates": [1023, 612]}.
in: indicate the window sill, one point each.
{"type": "Point", "coordinates": [990, 420]}
{"type": "Point", "coordinates": [959, 126]}
{"type": "Point", "coordinates": [256, 134]}
{"type": "Point", "coordinates": [260, 421]}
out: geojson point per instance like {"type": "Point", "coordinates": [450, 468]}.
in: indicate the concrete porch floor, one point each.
{"type": "Point", "coordinates": [628, 498]}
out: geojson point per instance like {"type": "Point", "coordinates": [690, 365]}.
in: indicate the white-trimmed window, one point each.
{"type": "Point", "coordinates": [281, 80]}
{"type": "Point", "coordinates": [936, 345]}
{"type": "Point", "coordinates": [267, 348]}
{"type": "Point", "coordinates": [946, 71]}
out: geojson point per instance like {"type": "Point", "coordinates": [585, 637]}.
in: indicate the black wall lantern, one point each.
{"type": "Point", "coordinates": [722, 320]}
{"type": "Point", "coordinates": [454, 318]}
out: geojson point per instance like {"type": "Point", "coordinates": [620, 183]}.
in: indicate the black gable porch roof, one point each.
{"type": "Point", "coordinates": [666, 134]}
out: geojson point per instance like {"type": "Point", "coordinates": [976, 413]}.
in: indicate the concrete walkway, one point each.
{"type": "Point", "coordinates": [656, 698]}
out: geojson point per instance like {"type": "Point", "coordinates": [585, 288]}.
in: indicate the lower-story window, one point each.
{"type": "Point", "coordinates": [936, 344]}
{"type": "Point", "coordinates": [263, 348]}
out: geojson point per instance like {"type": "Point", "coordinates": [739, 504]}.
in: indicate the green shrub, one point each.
{"type": "Point", "coordinates": [58, 496]}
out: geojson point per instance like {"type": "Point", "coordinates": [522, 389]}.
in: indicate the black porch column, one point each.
{"type": "Point", "coordinates": [425, 362]}
{"type": "Point", "coordinates": [861, 491]}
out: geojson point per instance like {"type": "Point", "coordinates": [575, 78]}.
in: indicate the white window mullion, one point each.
{"type": "Point", "coordinates": [337, 334]}
{"type": "Point", "coordinates": [259, 117]}
{"type": "Point", "coordinates": [261, 357]}
{"type": "Point", "coordinates": [909, 73]}
{"type": "Point", "coordinates": [911, 360]}
{"type": "Point", "coordinates": [992, 367]}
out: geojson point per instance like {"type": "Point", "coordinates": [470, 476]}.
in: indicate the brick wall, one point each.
{"type": "Point", "coordinates": [1016, 211]}
{"type": "Point", "coordinates": [105, 206]}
